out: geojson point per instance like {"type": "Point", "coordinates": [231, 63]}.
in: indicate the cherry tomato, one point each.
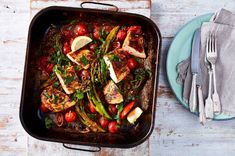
{"type": "Point", "coordinates": [96, 33]}
{"type": "Point", "coordinates": [93, 46]}
{"type": "Point", "coordinates": [81, 29]}
{"type": "Point", "coordinates": [103, 122]}
{"type": "Point", "coordinates": [43, 61]}
{"type": "Point", "coordinates": [66, 48]}
{"type": "Point", "coordinates": [91, 108]}
{"type": "Point", "coordinates": [126, 54]}
{"type": "Point", "coordinates": [49, 68]}
{"type": "Point", "coordinates": [135, 29]}
{"type": "Point", "coordinates": [113, 127]}
{"type": "Point", "coordinates": [84, 73]}
{"type": "Point", "coordinates": [43, 108]}
{"type": "Point", "coordinates": [121, 35]}
{"type": "Point", "coordinates": [132, 63]}
{"type": "Point", "coordinates": [70, 41]}
{"type": "Point", "coordinates": [107, 28]}
{"type": "Point", "coordinates": [59, 119]}
{"type": "Point", "coordinates": [70, 116]}
{"type": "Point", "coordinates": [112, 109]}
{"type": "Point", "coordinates": [127, 109]}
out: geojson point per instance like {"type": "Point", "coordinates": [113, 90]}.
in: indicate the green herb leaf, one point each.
{"type": "Point", "coordinates": [84, 60]}
{"type": "Point", "coordinates": [56, 84]}
{"type": "Point", "coordinates": [68, 79]}
{"type": "Point", "coordinates": [91, 116]}
{"type": "Point", "coordinates": [46, 95]}
{"type": "Point", "coordinates": [114, 58]}
{"type": "Point", "coordinates": [48, 122]}
{"type": "Point", "coordinates": [79, 94]}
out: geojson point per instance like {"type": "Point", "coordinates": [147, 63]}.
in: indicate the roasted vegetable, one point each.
{"type": "Point", "coordinates": [96, 102]}
{"type": "Point", "coordinates": [111, 36]}
{"type": "Point", "coordinates": [86, 120]}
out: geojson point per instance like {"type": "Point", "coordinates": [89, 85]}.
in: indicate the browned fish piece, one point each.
{"type": "Point", "coordinates": [117, 65]}
{"type": "Point", "coordinates": [112, 94]}
{"type": "Point", "coordinates": [56, 100]}
{"type": "Point", "coordinates": [82, 58]}
{"type": "Point", "coordinates": [134, 42]}
{"type": "Point", "coordinates": [68, 79]}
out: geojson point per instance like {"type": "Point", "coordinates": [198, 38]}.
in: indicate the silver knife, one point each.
{"type": "Point", "coordinates": [201, 107]}
{"type": "Point", "coordinates": [195, 62]}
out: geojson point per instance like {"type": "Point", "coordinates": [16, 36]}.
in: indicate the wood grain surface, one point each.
{"type": "Point", "coordinates": [176, 132]}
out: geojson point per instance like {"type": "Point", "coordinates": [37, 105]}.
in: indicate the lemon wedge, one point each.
{"type": "Point", "coordinates": [80, 42]}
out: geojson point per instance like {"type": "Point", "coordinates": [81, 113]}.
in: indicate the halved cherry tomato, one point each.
{"type": "Point", "coordinates": [91, 108]}
{"type": "Point", "coordinates": [103, 122]}
{"type": "Point", "coordinates": [70, 116]}
{"type": "Point", "coordinates": [132, 63]}
{"type": "Point", "coordinates": [66, 48]}
{"type": "Point", "coordinates": [121, 35]}
{"type": "Point", "coordinates": [135, 29]}
{"type": "Point", "coordinates": [49, 68]}
{"type": "Point", "coordinates": [81, 29]}
{"type": "Point", "coordinates": [127, 109]}
{"type": "Point", "coordinates": [96, 32]}
{"type": "Point", "coordinates": [43, 108]}
{"type": "Point", "coordinates": [59, 119]}
{"type": "Point", "coordinates": [112, 109]}
{"type": "Point", "coordinates": [113, 127]}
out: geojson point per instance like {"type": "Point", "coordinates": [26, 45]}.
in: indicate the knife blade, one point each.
{"type": "Point", "coordinates": [201, 107]}
{"type": "Point", "coordinates": [195, 62]}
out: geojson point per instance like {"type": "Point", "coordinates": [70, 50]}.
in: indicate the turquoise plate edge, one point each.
{"type": "Point", "coordinates": [189, 28]}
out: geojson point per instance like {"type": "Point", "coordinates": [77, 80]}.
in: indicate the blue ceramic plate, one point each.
{"type": "Point", "coordinates": [179, 50]}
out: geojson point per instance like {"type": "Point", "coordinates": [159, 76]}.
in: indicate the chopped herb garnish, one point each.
{"type": "Point", "coordinates": [91, 116]}
{"type": "Point", "coordinates": [56, 69]}
{"type": "Point", "coordinates": [79, 94]}
{"type": "Point", "coordinates": [68, 79]}
{"type": "Point", "coordinates": [114, 58]}
{"type": "Point", "coordinates": [103, 33]}
{"type": "Point", "coordinates": [54, 98]}
{"type": "Point", "coordinates": [77, 68]}
{"type": "Point", "coordinates": [46, 95]}
{"type": "Point", "coordinates": [130, 97]}
{"type": "Point", "coordinates": [84, 60]}
{"type": "Point", "coordinates": [119, 108]}
{"type": "Point", "coordinates": [48, 122]}
{"type": "Point", "coordinates": [56, 84]}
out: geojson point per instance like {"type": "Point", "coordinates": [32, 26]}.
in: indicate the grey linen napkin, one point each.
{"type": "Point", "coordinates": [222, 24]}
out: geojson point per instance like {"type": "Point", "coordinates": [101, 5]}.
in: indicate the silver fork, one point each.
{"type": "Point", "coordinates": [209, 110]}
{"type": "Point", "coordinates": [211, 55]}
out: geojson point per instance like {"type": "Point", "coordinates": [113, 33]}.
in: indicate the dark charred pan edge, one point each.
{"type": "Point", "coordinates": [28, 109]}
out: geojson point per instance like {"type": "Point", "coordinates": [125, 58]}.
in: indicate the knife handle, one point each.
{"type": "Point", "coordinates": [193, 97]}
{"type": "Point", "coordinates": [202, 116]}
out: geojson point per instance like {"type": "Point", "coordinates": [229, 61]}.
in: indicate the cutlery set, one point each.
{"type": "Point", "coordinates": [212, 104]}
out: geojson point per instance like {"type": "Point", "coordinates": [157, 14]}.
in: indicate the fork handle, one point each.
{"type": "Point", "coordinates": [193, 97]}
{"type": "Point", "coordinates": [202, 116]}
{"type": "Point", "coordinates": [215, 96]}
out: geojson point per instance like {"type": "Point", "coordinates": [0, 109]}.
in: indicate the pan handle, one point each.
{"type": "Point", "coordinates": [98, 3]}
{"type": "Point", "coordinates": [95, 149]}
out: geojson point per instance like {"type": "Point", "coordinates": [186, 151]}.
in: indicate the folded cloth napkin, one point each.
{"type": "Point", "coordinates": [222, 24]}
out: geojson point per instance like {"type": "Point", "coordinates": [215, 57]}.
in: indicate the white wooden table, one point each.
{"type": "Point", "coordinates": [177, 132]}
